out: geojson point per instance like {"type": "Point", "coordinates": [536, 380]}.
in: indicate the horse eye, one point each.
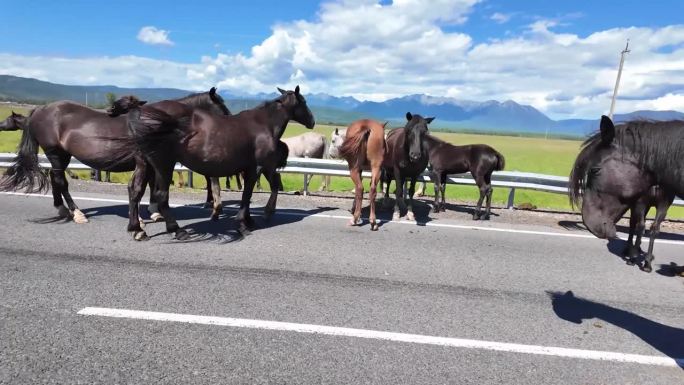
{"type": "Point", "coordinates": [594, 170]}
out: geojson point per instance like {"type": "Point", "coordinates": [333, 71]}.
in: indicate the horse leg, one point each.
{"type": "Point", "coordinates": [398, 194]}
{"type": "Point", "coordinates": [661, 212]}
{"type": "Point", "coordinates": [243, 217]}
{"type": "Point", "coordinates": [483, 191]}
{"type": "Point", "coordinates": [438, 186]}
{"type": "Point", "coordinates": [209, 202]}
{"type": "Point", "coordinates": [355, 175]}
{"type": "Point", "coordinates": [153, 208]}
{"type": "Point", "coordinates": [58, 202]}
{"type": "Point", "coordinates": [274, 183]}
{"type": "Point", "coordinates": [216, 192]}
{"type": "Point", "coordinates": [630, 253]}
{"type": "Point", "coordinates": [60, 161]}
{"type": "Point", "coordinates": [443, 187]}
{"type": "Point", "coordinates": [237, 180]}
{"type": "Point", "coordinates": [488, 195]}
{"type": "Point", "coordinates": [375, 177]}
{"type": "Point", "coordinates": [163, 175]}
{"type": "Point", "coordinates": [108, 176]}
{"type": "Point", "coordinates": [410, 215]}
{"type": "Point", "coordinates": [136, 190]}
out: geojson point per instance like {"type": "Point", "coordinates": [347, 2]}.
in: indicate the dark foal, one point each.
{"type": "Point", "coordinates": [480, 160]}
{"type": "Point", "coordinates": [406, 158]}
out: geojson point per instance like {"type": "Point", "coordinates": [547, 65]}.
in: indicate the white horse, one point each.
{"type": "Point", "coordinates": [307, 145]}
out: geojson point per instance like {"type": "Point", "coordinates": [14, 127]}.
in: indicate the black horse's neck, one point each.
{"type": "Point", "coordinates": [278, 117]}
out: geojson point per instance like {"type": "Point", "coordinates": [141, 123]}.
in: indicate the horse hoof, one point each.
{"type": "Point", "coordinates": [374, 226]}
{"type": "Point", "coordinates": [476, 217]}
{"type": "Point", "coordinates": [63, 212]}
{"type": "Point", "coordinates": [629, 262]}
{"type": "Point", "coordinates": [353, 222]}
{"type": "Point", "coordinates": [214, 217]}
{"type": "Point", "coordinates": [486, 217]}
{"type": "Point", "coordinates": [396, 216]}
{"type": "Point", "coordinates": [140, 236]}
{"type": "Point", "coordinates": [156, 217]}
{"type": "Point", "coordinates": [79, 217]}
{"type": "Point", "coordinates": [647, 269]}
{"type": "Point", "coordinates": [244, 231]}
{"type": "Point", "coordinates": [436, 210]}
{"type": "Point", "coordinates": [410, 216]}
{"type": "Point", "coordinates": [182, 235]}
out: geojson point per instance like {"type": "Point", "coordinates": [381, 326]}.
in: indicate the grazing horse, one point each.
{"type": "Point", "coordinates": [64, 129]}
{"type": "Point", "coordinates": [217, 145]}
{"type": "Point", "coordinates": [661, 200]}
{"type": "Point", "coordinates": [13, 122]}
{"type": "Point", "coordinates": [480, 159]}
{"type": "Point", "coordinates": [307, 145]}
{"type": "Point", "coordinates": [617, 166]}
{"type": "Point", "coordinates": [364, 147]}
{"type": "Point", "coordinates": [406, 158]}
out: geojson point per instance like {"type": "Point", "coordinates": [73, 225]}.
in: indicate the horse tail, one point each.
{"type": "Point", "coordinates": [283, 152]}
{"type": "Point", "coordinates": [25, 173]}
{"type": "Point", "coordinates": [354, 148]}
{"type": "Point", "coordinates": [501, 161]}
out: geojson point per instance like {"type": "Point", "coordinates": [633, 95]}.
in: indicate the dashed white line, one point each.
{"type": "Point", "coordinates": [385, 336]}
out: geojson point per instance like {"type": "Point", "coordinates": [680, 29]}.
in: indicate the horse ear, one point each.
{"type": "Point", "coordinates": [409, 116]}
{"type": "Point", "coordinates": [607, 130]}
{"type": "Point", "coordinates": [429, 120]}
{"type": "Point", "coordinates": [336, 131]}
{"type": "Point", "coordinates": [212, 91]}
{"type": "Point", "coordinates": [142, 102]}
{"type": "Point", "coordinates": [297, 90]}
{"type": "Point", "coordinates": [282, 91]}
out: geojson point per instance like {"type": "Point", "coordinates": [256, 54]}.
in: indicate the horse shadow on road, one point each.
{"type": "Point", "coordinates": [667, 339]}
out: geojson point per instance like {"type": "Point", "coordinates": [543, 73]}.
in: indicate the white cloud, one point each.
{"type": "Point", "coordinates": [154, 36]}
{"type": "Point", "coordinates": [372, 51]}
{"type": "Point", "coordinates": [501, 18]}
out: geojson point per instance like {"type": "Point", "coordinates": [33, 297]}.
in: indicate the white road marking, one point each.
{"type": "Point", "coordinates": [283, 211]}
{"type": "Point", "coordinates": [386, 336]}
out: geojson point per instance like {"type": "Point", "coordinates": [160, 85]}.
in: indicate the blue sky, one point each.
{"type": "Point", "coordinates": [559, 56]}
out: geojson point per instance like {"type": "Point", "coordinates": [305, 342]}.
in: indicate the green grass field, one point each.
{"type": "Point", "coordinates": [545, 156]}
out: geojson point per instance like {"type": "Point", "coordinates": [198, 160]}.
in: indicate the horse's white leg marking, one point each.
{"type": "Point", "coordinates": [79, 217]}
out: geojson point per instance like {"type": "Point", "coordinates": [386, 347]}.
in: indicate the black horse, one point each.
{"type": "Point", "coordinates": [64, 129]}
{"type": "Point", "coordinates": [617, 166]}
{"type": "Point", "coordinates": [480, 159]}
{"type": "Point", "coordinates": [217, 146]}
{"type": "Point", "coordinates": [13, 122]}
{"type": "Point", "coordinates": [406, 157]}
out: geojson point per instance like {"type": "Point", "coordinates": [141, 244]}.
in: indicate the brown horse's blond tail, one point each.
{"type": "Point", "coordinates": [354, 148]}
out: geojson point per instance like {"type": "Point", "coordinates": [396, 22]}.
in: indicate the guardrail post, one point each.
{"type": "Point", "coordinates": [306, 184]}
{"type": "Point", "coordinates": [511, 199]}
{"type": "Point", "coordinates": [190, 183]}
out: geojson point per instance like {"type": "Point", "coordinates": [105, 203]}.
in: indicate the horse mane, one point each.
{"type": "Point", "coordinates": [656, 145]}
{"type": "Point", "coordinates": [200, 100]}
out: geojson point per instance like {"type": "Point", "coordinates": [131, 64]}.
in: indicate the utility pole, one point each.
{"type": "Point", "coordinates": [617, 81]}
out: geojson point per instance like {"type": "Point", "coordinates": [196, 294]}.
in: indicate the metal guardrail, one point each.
{"type": "Point", "coordinates": [307, 166]}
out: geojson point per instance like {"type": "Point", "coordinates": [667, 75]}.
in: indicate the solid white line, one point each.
{"type": "Point", "coordinates": [346, 217]}
{"type": "Point", "coordinates": [386, 336]}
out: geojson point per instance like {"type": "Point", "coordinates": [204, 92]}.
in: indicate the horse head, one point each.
{"type": "Point", "coordinates": [416, 128]}
{"type": "Point", "coordinates": [607, 179]}
{"type": "Point", "coordinates": [13, 122]}
{"type": "Point", "coordinates": [336, 140]}
{"type": "Point", "coordinates": [295, 104]}
{"type": "Point", "coordinates": [124, 104]}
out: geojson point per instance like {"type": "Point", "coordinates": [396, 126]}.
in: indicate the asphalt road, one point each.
{"type": "Point", "coordinates": [479, 288]}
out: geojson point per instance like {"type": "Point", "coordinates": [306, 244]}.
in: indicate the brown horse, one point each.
{"type": "Point", "coordinates": [217, 146]}
{"type": "Point", "coordinates": [64, 129]}
{"type": "Point", "coordinates": [363, 148]}
{"type": "Point", "coordinates": [406, 158]}
{"type": "Point", "coordinates": [480, 159]}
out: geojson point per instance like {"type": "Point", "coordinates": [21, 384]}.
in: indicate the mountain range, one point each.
{"type": "Point", "coordinates": [452, 114]}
